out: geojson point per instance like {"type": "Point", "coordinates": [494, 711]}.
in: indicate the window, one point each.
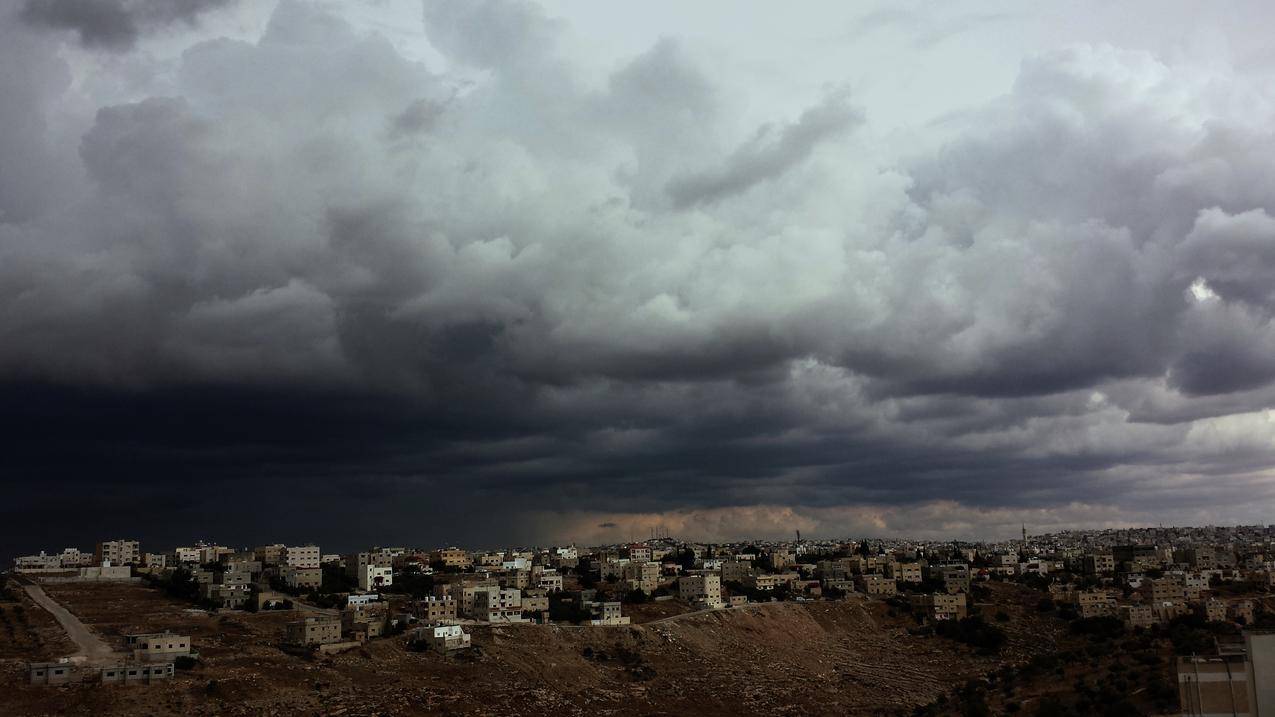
{"type": "Point", "coordinates": [132, 672]}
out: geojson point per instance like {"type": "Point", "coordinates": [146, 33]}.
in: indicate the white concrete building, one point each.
{"type": "Point", "coordinates": [118, 552]}
{"type": "Point", "coordinates": [496, 604]}
{"type": "Point", "coordinates": [373, 577]}
{"type": "Point", "coordinates": [703, 590]}
{"type": "Point", "coordinates": [301, 556]}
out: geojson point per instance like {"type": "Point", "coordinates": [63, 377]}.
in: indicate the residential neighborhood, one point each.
{"type": "Point", "coordinates": [1136, 582]}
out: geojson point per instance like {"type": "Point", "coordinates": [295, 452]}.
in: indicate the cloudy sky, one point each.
{"type": "Point", "coordinates": [483, 271]}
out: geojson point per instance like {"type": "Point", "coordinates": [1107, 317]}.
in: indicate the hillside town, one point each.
{"type": "Point", "coordinates": [1136, 580]}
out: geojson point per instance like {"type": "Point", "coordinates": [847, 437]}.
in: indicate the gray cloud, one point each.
{"type": "Point", "coordinates": [313, 259]}
{"type": "Point", "coordinates": [113, 24]}
{"type": "Point", "coordinates": [925, 28]}
{"type": "Point", "coordinates": [770, 153]}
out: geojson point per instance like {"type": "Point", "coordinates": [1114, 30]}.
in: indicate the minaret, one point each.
{"type": "Point", "coordinates": [1024, 535]}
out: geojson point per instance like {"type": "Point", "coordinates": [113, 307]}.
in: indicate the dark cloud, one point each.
{"type": "Point", "coordinates": [312, 273]}
{"type": "Point", "coordinates": [113, 24]}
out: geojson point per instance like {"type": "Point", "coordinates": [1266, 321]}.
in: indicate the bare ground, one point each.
{"type": "Point", "coordinates": [853, 657]}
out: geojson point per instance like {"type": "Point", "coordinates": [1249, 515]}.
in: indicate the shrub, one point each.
{"type": "Point", "coordinates": [1103, 627]}
{"type": "Point", "coordinates": [972, 631]}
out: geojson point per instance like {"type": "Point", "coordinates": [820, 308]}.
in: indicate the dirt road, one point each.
{"type": "Point", "coordinates": [91, 646]}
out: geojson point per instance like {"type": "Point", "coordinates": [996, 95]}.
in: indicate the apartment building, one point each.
{"type": "Point", "coordinates": [1242, 611]}
{"type": "Point", "coordinates": [1135, 558]}
{"type": "Point", "coordinates": [1137, 615]}
{"type": "Point", "coordinates": [301, 556]}
{"type": "Point", "coordinates": [316, 630]}
{"type": "Point", "coordinates": [212, 553]}
{"type": "Point", "coordinates": [1098, 564]}
{"type": "Point", "coordinates": [184, 556]}
{"type": "Point", "coordinates": [269, 554]}
{"type": "Point", "coordinates": [230, 596]}
{"type": "Point", "coordinates": [1214, 610]}
{"type": "Point", "coordinates": [496, 604]}
{"type": "Point", "coordinates": [302, 578]}
{"type": "Point", "coordinates": [642, 576]}
{"type": "Point", "coordinates": [736, 571]}
{"type": "Point", "coordinates": [781, 559]}
{"type": "Point", "coordinates": [535, 601]}
{"type": "Point", "coordinates": [766, 583]}
{"type": "Point", "coordinates": [118, 552]}
{"type": "Point", "coordinates": [435, 610]}
{"type": "Point", "coordinates": [1095, 603]}
{"type": "Point", "coordinates": [74, 558]}
{"type": "Point", "coordinates": [451, 557]}
{"type": "Point", "coordinates": [371, 570]}
{"type": "Point", "coordinates": [373, 577]}
{"type": "Point", "coordinates": [363, 622]}
{"type": "Point", "coordinates": [463, 593]}
{"type": "Point", "coordinates": [613, 569]}
{"type": "Point", "coordinates": [519, 579]}
{"type": "Point", "coordinates": [1194, 584]}
{"type": "Point", "coordinates": [1200, 557]}
{"type": "Point", "coordinates": [639, 554]}
{"type": "Point", "coordinates": [1167, 588]}
{"type": "Point", "coordinates": [876, 584]}
{"type": "Point", "coordinates": [942, 606]}
{"type": "Point", "coordinates": [905, 572]}
{"type": "Point", "coordinates": [955, 576]}
{"type": "Point", "coordinates": [704, 589]}
{"type": "Point", "coordinates": [605, 613]}
{"type": "Point", "coordinates": [1166, 610]}
{"type": "Point", "coordinates": [548, 579]}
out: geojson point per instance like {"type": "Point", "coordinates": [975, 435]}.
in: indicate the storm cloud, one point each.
{"type": "Point", "coordinates": [113, 24]}
{"type": "Point", "coordinates": [499, 294]}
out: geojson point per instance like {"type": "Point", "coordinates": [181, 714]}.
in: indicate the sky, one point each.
{"type": "Point", "coordinates": [497, 272]}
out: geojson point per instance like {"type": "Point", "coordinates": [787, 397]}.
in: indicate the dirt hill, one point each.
{"type": "Point", "coordinates": [850, 657]}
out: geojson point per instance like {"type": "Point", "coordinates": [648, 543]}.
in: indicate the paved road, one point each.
{"type": "Point", "coordinates": [90, 645]}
